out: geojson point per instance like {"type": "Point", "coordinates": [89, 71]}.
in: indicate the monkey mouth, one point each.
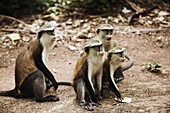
{"type": "Point", "coordinates": [108, 39]}
{"type": "Point", "coordinates": [101, 54]}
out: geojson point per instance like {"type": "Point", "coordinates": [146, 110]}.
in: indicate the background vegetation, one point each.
{"type": "Point", "coordinates": [18, 7]}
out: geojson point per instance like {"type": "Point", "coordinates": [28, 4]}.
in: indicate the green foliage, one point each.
{"type": "Point", "coordinates": [19, 7]}
{"type": "Point", "coordinates": [153, 67]}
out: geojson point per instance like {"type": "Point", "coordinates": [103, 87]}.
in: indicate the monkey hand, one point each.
{"type": "Point", "coordinates": [55, 84]}
{"type": "Point", "coordinates": [119, 99]}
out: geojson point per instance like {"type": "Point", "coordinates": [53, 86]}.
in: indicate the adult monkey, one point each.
{"type": "Point", "coordinates": [88, 74]}
{"type": "Point", "coordinates": [31, 69]}
{"type": "Point", "coordinates": [105, 34]}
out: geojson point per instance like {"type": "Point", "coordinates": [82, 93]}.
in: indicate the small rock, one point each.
{"type": "Point", "coordinates": [72, 48]}
{"type": "Point", "coordinates": [90, 35]}
{"type": "Point", "coordinates": [163, 13]}
{"type": "Point", "coordinates": [141, 110]}
{"type": "Point", "coordinates": [26, 38]}
{"type": "Point", "coordinates": [54, 70]}
{"type": "Point", "coordinates": [13, 59]}
{"type": "Point", "coordinates": [54, 54]}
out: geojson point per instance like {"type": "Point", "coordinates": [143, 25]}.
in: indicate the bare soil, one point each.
{"type": "Point", "coordinates": [150, 92]}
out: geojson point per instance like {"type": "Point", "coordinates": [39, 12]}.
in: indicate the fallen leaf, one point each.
{"type": "Point", "coordinates": [13, 37]}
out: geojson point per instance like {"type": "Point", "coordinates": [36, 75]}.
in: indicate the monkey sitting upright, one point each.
{"type": "Point", "coordinates": [105, 34]}
{"type": "Point", "coordinates": [31, 68]}
{"type": "Point", "coordinates": [112, 66]}
{"type": "Point", "coordinates": [88, 74]}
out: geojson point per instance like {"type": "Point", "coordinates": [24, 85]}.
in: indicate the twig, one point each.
{"type": "Point", "coordinates": [16, 30]}
{"type": "Point", "coordinates": [148, 30]}
{"type": "Point", "coordinates": [121, 18]}
{"type": "Point", "coordinates": [100, 15]}
{"type": "Point", "coordinates": [12, 18]}
{"type": "Point", "coordinates": [134, 6]}
{"type": "Point", "coordinates": [136, 15]}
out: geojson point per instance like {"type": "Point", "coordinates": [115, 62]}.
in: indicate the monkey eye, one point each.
{"type": "Point", "coordinates": [107, 32]}
{"type": "Point", "coordinates": [120, 54]}
{"type": "Point", "coordinates": [97, 48]}
{"type": "Point", "coordinates": [50, 32]}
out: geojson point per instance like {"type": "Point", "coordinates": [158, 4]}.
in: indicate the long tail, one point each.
{"type": "Point", "coordinates": [66, 83]}
{"type": "Point", "coordinates": [11, 93]}
{"type": "Point", "coordinates": [130, 63]}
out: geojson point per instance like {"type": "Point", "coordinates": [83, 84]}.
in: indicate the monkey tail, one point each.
{"type": "Point", "coordinates": [10, 93]}
{"type": "Point", "coordinates": [66, 83]}
{"type": "Point", "coordinates": [130, 63]}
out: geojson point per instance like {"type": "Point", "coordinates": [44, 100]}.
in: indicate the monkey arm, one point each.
{"type": "Point", "coordinates": [130, 63]}
{"type": "Point", "coordinates": [112, 84]}
{"type": "Point", "coordinates": [41, 66]}
{"type": "Point", "coordinates": [91, 91]}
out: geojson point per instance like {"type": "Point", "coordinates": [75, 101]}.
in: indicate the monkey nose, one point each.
{"type": "Point", "coordinates": [123, 59]}
{"type": "Point", "coordinates": [53, 38]}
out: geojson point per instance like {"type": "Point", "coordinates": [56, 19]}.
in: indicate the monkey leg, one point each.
{"type": "Point", "coordinates": [48, 84]}
{"type": "Point", "coordinates": [80, 89]}
{"type": "Point", "coordinates": [113, 88]}
{"type": "Point", "coordinates": [34, 86]}
{"type": "Point", "coordinates": [99, 86]}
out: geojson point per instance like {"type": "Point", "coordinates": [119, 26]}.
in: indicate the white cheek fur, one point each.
{"type": "Point", "coordinates": [48, 44]}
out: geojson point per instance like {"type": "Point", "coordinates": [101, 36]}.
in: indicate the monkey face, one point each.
{"type": "Point", "coordinates": [108, 34]}
{"type": "Point", "coordinates": [106, 31]}
{"type": "Point", "coordinates": [52, 35]}
{"type": "Point", "coordinates": [48, 39]}
{"type": "Point", "coordinates": [99, 49]}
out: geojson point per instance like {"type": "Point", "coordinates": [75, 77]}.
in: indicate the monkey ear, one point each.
{"type": "Point", "coordinates": [109, 56]}
{"type": "Point", "coordinates": [39, 35]}
{"type": "Point", "coordinates": [97, 31]}
{"type": "Point", "coordinates": [86, 49]}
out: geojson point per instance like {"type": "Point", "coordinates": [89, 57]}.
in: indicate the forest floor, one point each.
{"type": "Point", "coordinates": [150, 92]}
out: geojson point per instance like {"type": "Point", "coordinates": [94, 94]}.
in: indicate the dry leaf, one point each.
{"type": "Point", "coordinates": [13, 37]}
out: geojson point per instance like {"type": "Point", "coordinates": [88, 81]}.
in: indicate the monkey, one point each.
{"type": "Point", "coordinates": [31, 71]}
{"type": "Point", "coordinates": [87, 74]}
{"type": "Point", "coordinates": [105, 34]}
{"type": "Point", "coordinates": [113, 62]}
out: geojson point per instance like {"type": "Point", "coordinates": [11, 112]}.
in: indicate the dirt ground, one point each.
{"type": "Point", "coordinates": [150, 92]}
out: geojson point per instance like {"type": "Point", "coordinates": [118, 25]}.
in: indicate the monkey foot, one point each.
{"type": "Point", "coordinates": [119, 79]}
{"type": "Point", "coordinates": [51, 98]}
{"type": "Point", "coordinates": [100, 97]}
{"type": "Point", "coordinates": [95, 104]}
{"type": "Point", "coordinates": [86, 106]}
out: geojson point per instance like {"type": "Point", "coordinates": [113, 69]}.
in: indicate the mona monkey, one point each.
{"type": "Point", "coordinates": [113, 62]}
{"type": "Point", "coordinates": [88, 74]}
{"type": "Point", "coordinates": [31, 69]}
{"type": "Point", "coordinates": [105, 34]}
